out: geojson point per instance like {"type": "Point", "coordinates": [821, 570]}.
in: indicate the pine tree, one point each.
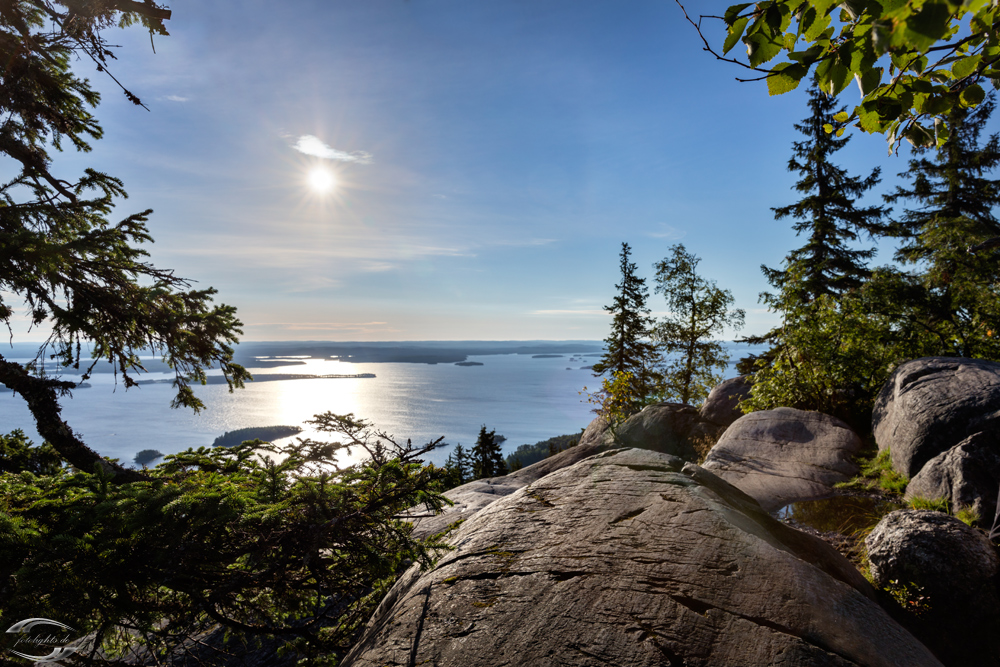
{"type": "Point", "coordinates": [629, 348]}
{"type": "Point", "coordinates": [487, 459]}
{"type": "Point", "coordinates": [699, 310]}
{"type": "Point", "coordinates": [827, 211]}
{"type": "Point", "coordinates": [956, 299]}
{"type": "Point", "coordinates": [459, 466]}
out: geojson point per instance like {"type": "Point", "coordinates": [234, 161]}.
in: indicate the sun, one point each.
{"type": "Point", "coordinates": [321, 180]}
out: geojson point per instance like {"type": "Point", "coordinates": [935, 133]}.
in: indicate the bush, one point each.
{"type": "Point", "coordinates": [298, 551]}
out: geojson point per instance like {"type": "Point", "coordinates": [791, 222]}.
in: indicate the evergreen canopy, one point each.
{"type": "Point", "coordinates": [80, 274]}
{"type": "Point", "coordinates": [826, 213]}
{"type": "Point", "coordinates": [629, 349]}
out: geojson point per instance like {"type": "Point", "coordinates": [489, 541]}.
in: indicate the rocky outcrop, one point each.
{"type": "Point", "coordinates": [720, 407]}
{"type": "Point", "coordinates": [930, 405]}
{"type": "Point", "coordinates": [785, 455]}
{"type": "Point", "coordinates": [633, 558]}
{"type": "Point", "coordinates": [968, 475]}
{"type": "Point", "coordinates": [954, 567]}
{"type": "Point", "coordinates": [668, 428]}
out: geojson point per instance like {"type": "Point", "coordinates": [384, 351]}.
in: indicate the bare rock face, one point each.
{"type": "Point", "coordinates": [968, 475]}
{"type": "Point", "coordinates": [785, 455]}
{"type": "Point", "coordinates": [633, 558]}
{"type": "Point", "coordinates": [669, 428]}
{"type": "Point", "coordinates": [720, 406]}
{"type": "Point", "coordinates": [930, 405]}
{"type": "Point", "coordinates": [662, 427]}
{"type": "Point", "coordinates": [955, 567]}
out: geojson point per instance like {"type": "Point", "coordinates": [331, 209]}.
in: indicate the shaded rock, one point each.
{"type": "Point", "coordinates": [720, 406]}
{"type": "Point", "coordinates": [955, 567]}
{"type": "Point", "coordinates": [784, 455]}
{"type": "Point", "coordinates": [633, 558]}
{"type": "Point", "coordinates": [968, 475]}
{"type": "Point", "coordinates": [930, 405]}
{"type": "Point", "coordinates": [662, 427]}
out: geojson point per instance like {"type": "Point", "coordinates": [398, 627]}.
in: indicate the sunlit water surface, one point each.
{"type": "Point", "coordinates": [523, 398]}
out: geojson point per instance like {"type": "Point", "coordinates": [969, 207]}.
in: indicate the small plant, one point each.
{"type": "Point", "coordinates": [909, 596]}
{"type": "Point", "coordinates": [933, 504]}
{"type": "Point", "coordinates": [968, 515]}
{"type": "Point", "coordinates": [878, 474]}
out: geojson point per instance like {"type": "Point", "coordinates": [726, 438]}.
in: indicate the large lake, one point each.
{"type": "Point", "coordinates": [523, 397]}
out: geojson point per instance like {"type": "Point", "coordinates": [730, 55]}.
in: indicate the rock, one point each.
{"type": "Point", "coordinates": [720, 406]}
{"type": "Point", "coordinates": [633, 558]}
{"type": "Point", "coordinates": [785, 455]}
{"type": "Point", "coordinates": [968, 475]}
{"type": "Point", "coordinates": [661, 427]}
{"type": "Point", "coordinates": [955, 567]}
{"type": "Point", "coordinates": [930, 405]}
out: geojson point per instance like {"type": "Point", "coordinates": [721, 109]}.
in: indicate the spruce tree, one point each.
{"type": "Point", "coordinates": [459, 466]}
{"type": "Point", "coordinates": [956, 298]}
{"type": "Point", "coordinates": [487, 459]}
{"type": "Point", "coordinates": [629, 348]}
{"type": "Point", "coordinates": [826, 212]}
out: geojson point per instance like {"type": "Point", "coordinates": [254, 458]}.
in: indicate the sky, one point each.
{"type": "Point", "coordinates": [489, 160]}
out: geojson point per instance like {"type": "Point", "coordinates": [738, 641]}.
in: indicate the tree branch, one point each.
{"type": "Point", "coordinates": [41, 397]}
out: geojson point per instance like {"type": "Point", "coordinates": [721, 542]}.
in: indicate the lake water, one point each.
{"type": "Point", "coordinates": [523, 398]}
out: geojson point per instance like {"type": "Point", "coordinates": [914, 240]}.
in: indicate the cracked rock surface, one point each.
{"type": "Point", "coordinates": [633, 558]}
{"type": "Point", "coordinates": [930, 405]}
{"type": "Point", "coordinates": [785, 455]}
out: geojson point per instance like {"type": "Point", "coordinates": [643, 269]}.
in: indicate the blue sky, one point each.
{"type": "Point", "coordinates": [490, 157]}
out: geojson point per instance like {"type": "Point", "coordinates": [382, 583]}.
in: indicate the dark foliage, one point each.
{"type": "Point", "coordinates": [266, 433]}
{"type": "Point", "coordinates": [525, 455]}
{"type": "Point", "coordinates": [629, 349]}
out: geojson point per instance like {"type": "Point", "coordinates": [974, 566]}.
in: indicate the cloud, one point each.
{"type": "Point", "coordinates": [667, 232]}
{"type": "Point", "coordinates": [569, 312]}
{"type": "Point", "coordinates": [177, 98]}
{"type": "Point", "coordinates": [310, 145]}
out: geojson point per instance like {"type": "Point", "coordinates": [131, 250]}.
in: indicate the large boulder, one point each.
{"type": "Point", "coordinates": [721, 405]}
{"type": "Point", "coordinates": [930, 405]}
{"type": "Point", "coordinates": [967, 475]}
{"type": "Point", "coordinates": [669, 428]}
{"type": "Point", "coordinates": [633, 558]}
{"type": "Point", "coordinates": [930, 555]}
{"type": "Point", "coordinates": [785, 455]}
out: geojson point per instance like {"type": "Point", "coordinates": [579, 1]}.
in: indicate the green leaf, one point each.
{"type": "Point", "coordinates": [918, 135]}
{"type": "Point", "coordinates": [815, 23]}
{"type": "Point", "coordinates": [928, 25]}
{"type": "Point", "coordinates": [840, 132]}
{"type": "Point", "coordinates": [786, 77]}
{"type": "Point", "coordinates": [761, 48]}
{"type": "Point", "coordinates": [735, 32]}
{"type": "Point", "coordinates": [730, 16]}
{"type": "Point", "coordinates": [965, 66]}
{"type": "Point", "coordinates": [869, 81]}
{"type": "Point", "coordinates": [832, 77]}
{"type": "Point", "coordinates": [828, 128]}
{"type": "Point", "coordinates": [972, 96]}
{"type": "Point", "coordinates": [841, 117]}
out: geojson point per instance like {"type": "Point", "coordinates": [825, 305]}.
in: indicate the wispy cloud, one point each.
{"type": "Point", "coordinates": [569, 312]}
{"type": "Point", "coordinates": [666, 232]}
{"type": "Point", "coordinates": [310, 145]}
{"type": "Point", "coordinates": [176, 98]}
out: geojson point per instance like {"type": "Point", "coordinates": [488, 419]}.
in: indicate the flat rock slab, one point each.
{"type": "Point", "coordinates": [930, 405]}
{"type": "Point", "coordinates": [785, 455]}
{"type": "Point", "coordinates": [633, 558]}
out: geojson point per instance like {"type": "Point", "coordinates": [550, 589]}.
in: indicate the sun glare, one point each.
{"type": "Point", "coordinates": [321, 180]}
